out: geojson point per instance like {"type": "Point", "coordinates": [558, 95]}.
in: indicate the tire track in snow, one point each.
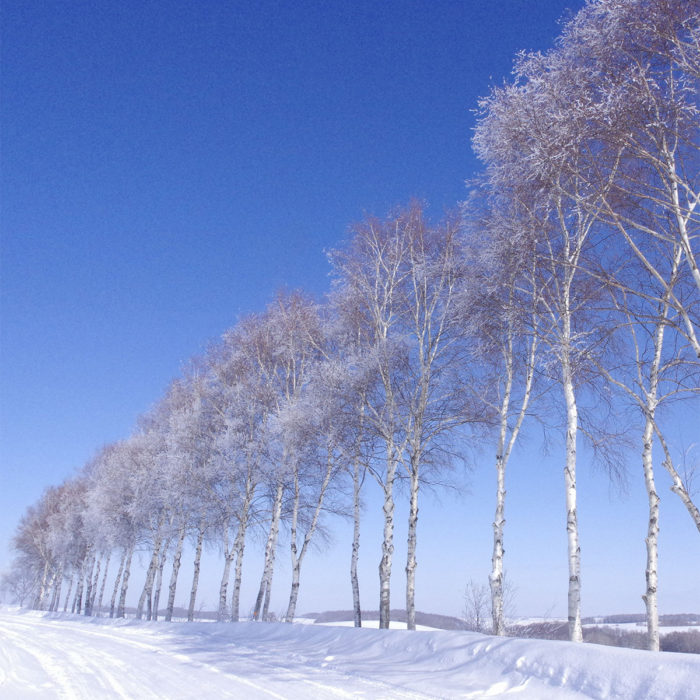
{"type": "Point", "coordinates": [75, 659]}
{"type": "Point", "coordinates": [114, 667]}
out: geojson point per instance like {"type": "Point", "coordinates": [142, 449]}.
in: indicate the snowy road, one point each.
{"type": "Point", "coordinates": [67, 659]}
{"type": "Point", "coordinates": [70, 658]}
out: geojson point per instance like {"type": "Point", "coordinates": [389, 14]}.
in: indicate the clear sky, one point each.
{"type": "Point", "coordinates": [166, 166]}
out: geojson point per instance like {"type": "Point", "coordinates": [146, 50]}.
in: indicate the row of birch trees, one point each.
{"type": "Point", "coordinates": [277, 426]}
{"type": "Point", "coordinates": [566, 288]}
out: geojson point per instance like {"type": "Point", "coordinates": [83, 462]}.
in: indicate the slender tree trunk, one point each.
{"type": "Point", "coordinates": [52, 600]}
{"type": "Point", "coordinates": [652, 538]}
{"type": "Point", "coordinates": [650, 597]}
{"type": "Point", "coordinates": [266, 604]}
{"type": "Point", "coordinates": [177, 557]}
{"type": "Point", "coordinates": [104, 583]}
{"type": "Point", "coordinates": [195, 577]}
{"type": "Point", "coordinates": [78, 601]}
{"type": "Point", "coordinates": [294, 592]}
{"type": "Point", "coordinates": [496, 577]}
{"type": "Point", "coordinates": [223, 587]}
{"type": "Point", "coordinates": [49, 586]}
{"type": "Point", "coordinates": [387, 543]}
{"type": "Point", "coordinates": [59, 586]}
{"type": "Point", "coordinates": [125, 583]}
{"type": "Point", "coordinates": [58, 581]}
{"type": "Point", "coordinates": [238, 548]}
{"type": "Point", "coordinates": [39, 598]}
{"type": "Point", "coordinates": [505, 446]}
{"type": "Point", "coordinates": [92, 584]}
{"type": "Point", "coordinates": [262, 603]}
{"type": "Point", "coordinates": [574, 548]}
{"type": "Point", "coordinates": [354, 579]}
{"type": "Point", "coordinates": [159, 579]}
{"type": "Point", "coordinates": [117, 581]}
{"type": "Point", "coordinates": [411, 562]}
{"type": "Point", "coordinates": [145, 591]}
{"type": "Point", "coordinates": [150, 577]}
{"type": "Point", "coordinates": [298, 559]}
{"type": "Point", "coordinates": [70, 589]}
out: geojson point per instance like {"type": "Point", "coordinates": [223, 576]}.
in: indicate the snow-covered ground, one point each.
{"type": "Point", "coordinates": [63, 656]}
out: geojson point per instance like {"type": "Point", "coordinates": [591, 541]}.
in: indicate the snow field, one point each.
{"type": "Point", "coordinates": [64, 656]}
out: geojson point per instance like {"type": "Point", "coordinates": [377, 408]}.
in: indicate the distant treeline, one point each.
{"type": "Point", "coordinates": [676, 620]}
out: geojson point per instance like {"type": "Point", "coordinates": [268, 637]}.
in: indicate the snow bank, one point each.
{"type": "Point", "coordinates": [66, 656]}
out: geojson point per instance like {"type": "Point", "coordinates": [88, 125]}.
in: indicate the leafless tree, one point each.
{"type": "Point", "coordinates": [399, 277]}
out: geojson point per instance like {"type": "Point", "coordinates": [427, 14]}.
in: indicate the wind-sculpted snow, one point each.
{"type": "Point", "coordinates": [63, 656]}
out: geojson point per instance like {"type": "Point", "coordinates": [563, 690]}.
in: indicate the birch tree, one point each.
{"type": "Point", "coordinates": [184, 443]}
{"type": "Point", "coordinates": [402, 275]}
{"type": "Point", "coordinates": [531, 141]}
{"type": "Point", "coordinates": [318, 432]}
{"type": "Point", "coordinates": [369, 273]}
{"type": "Point", "coordinates": [503, 300]}
{"type": "Point", "coordinates": [343, 391]}
{"type": "Point", "coordinates": [660, 369]}
{"type": "Point", "coordinates": [645, 55]}
{"type": "Point", "coordinates": [277, 347]}
{"type": "Point", "coordinates": [439, 387]}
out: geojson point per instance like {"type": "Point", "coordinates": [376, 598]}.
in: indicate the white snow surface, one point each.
{"type": "Point", "coordinates": [66, 656]}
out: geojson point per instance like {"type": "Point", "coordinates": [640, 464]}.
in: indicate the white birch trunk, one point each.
{"type": "Point", "coordinates": [50, 585]}
{"type": "Point", "coordinates": [195, 577]}
{"type": "Point", "coordinates": [411, 562]}
{"type": "Point", "coordinates": [505, 447]}
{"type": "Point", "coordinates": [94, 577]}
{"type": "Point", "coordinates": [148, 584]}
{"type": "Point", "coordinates": [39, 598]}
{"type": "Point", "coordinates": [354, 580]}
{"type": "Point", "coordinates": [297, 560]}
{"type": "Point", "coordinates": [574, 547]}
{"type": "Point", "coordinates": [223, 587]}
{"type": "Point", "coordinates": [238, 548]}
{"type": "Point", "coordinates": [125, 583]}
{"type": "Point", "coordinates": [496, 577]}
{"type": "Point", "coordinates": [78, 600]}
{"type": "Point", "coordinates": [387, 542]}
{"type": "Point", "coordinates": [289, 617]}
{"type": "Point", "coordinates": [59, 588]}
{"type": "Point", "coordinates": [650, 597]}
{"type": "Point", "coordinates": [262, 602]}
{"type": "Point", "coordinates": [177, 558]}
{"type": "Point", "coordinates": [117, 580]}
{"type": "Point", "coordinates": [294, 593]}
{"type": "Point", "coordinates": [70, 589]}
{"type": "Point", "coordinates": [58, 582]}
{"type": "Point", "coordinates": [104, 583]}
{"type": "Point", "coordinates": [159, 580]}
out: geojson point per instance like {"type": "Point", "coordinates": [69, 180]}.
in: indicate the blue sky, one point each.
{"type": "Point", "coordinates": [166, 166]}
